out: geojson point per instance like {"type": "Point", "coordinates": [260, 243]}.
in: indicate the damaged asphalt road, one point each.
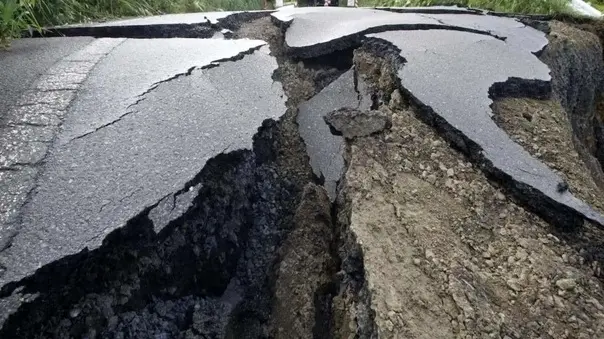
{"type": "Point", "coordinates": [148, 184]}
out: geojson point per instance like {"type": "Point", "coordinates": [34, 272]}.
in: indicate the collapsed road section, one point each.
{"type": "Point", "coordinates": [182, 196]}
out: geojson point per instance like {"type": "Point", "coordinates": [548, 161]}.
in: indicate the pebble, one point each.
{"type": "Point", "coordinates": [566, 284]}
{"type": "Point", "coordinates": [74, 312]}
{"type": "Point", "coordinates": [521, 254]}
{"type": "Point", "coordinates": [558, 302]}
{"type": "Point", "coordinates": [450, 172]}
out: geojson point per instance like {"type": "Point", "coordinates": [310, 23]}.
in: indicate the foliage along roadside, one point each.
{"type": "Point", "coordinates": [16, 16]}
{"type": "Point", "coordinates": [510, 6]}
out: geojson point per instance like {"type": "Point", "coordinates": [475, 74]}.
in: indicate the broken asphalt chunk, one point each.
{"type": "Point", "coordinates": [352, 123]}
{"type": "Point", "coordinates": [433, 64]}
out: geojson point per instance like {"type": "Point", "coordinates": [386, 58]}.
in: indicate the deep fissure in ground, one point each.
{"type": "Point", "coordinates": [216, 270]}
{"type": "Point", "coordinates": [231, 265]}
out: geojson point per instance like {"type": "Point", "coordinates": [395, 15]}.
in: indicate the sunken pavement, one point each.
{"type": "Point", "coordinates": [304, 173]}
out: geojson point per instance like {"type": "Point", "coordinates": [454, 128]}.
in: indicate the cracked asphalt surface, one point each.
{"type": "Point", "coordinates": [27, 60]}
{"type": "Point", "coordinates": [99, 130]}
{"type": "Point", "coordinates": [93, 183]}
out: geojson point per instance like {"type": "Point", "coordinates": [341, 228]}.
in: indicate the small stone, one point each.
{"type": "Point", "coordinates": [521, 254]}
{"type": "Point", "coordinates": [549, 301]}
{"type": "Point", "coordinates": [450, 172]}
{"type": "Point", "coordinates": [429, 254]}
{"type": "Point", "coordinates": [566, 284]}
{"type": "Point", "coordinates": [513, 284]}
{"type": "Point", "coordinates": [353, 123]}
{"type": "Point", "coordinates": [416, 261]}
{"type": "Point", "coordinates": [596, 304]}
{"type": "Point", "coordinates": [396, 99]}
{"type": "Point", "coordinates": [431, 179]}
{"type": "Point", "coordinates": [74, 312]}
{"type": "Point", "coordinates": [500, 196]}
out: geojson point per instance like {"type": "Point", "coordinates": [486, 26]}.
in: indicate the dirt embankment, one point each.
{"type": "Point", "coordinates": [446, 253]}
{"type": "Point", "coordinates": [419, 244]}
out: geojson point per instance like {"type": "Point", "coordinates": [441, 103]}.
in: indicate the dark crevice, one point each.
{"type": "Point", "coordinates": [355, 40]}
{"type": "Point", "coordinates": [206, 274]}
{"type": "Point", "coordinates": [203, 29]}
{"type": "Point", "coordinates": [324, 327]}
{"type": "Point", "coordinates": [551, 211]}
{"type": "Point", "coordinates": [191, 261]}
{"type": "Point", "coordinates": [435, 10]}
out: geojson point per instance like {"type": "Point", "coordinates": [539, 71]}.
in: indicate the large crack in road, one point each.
{"type": "Point", "coordinates": [234, 237]}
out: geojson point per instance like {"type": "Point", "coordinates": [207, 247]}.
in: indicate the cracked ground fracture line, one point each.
{"type": "Point", "coordinates": [141, 97]}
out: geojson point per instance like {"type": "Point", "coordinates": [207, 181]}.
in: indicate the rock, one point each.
{"type": "Point", "coordinates": [353, 123]}
{"type": "Point", "coordinates": [566, 284]}
{"type": "Point", "coordinates": [396, 99]}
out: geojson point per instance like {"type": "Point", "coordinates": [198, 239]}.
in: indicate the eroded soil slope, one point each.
{"type": "Point", "coordinates": [420, 241]}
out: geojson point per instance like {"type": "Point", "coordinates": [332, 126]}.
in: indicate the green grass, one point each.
{"type": "Point", "coordinates": [511, 6]}
{"type": "Point", "coordinates": [597, 4]}
{"type": "Point", "coordinates": [57, 12]}
{"type": "Point", "coordinates": [17, 16]}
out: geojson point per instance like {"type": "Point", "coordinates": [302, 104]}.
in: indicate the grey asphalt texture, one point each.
{"type": "Point", "coordinates": [315, 31]}
{"type": "Point", "coordinates": [151, 112]}
{"type": "Point", "coordinates": [433, 74]}
{"type": "Point", "coordinates": [122, 78]}
{"type": "Point", "coordinates": [324, 149]}
{"type": "Point", "coordinates": [95, 183]}
{"type": "Point", "coordinates": [26, 60]}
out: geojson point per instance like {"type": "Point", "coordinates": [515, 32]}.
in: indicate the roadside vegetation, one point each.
{"type": "Point", "coordinates": [512, 6]}
{"type": "Point", "coordinates": [17, 16]}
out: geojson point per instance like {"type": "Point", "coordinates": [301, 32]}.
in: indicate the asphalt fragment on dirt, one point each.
{"type": "Point", "coordinates": [220, 228]}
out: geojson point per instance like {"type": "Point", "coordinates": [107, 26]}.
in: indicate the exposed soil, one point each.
{"type": "Point", "coordinates": [419, 243]}
{"type": "Point", "coordinates": [543, 129]}
{"type": "Point", "coordinates": [446, 254]}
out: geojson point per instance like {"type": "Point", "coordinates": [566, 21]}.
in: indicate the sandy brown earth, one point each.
{"type": "Point", "coordinates": [447, 254]}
